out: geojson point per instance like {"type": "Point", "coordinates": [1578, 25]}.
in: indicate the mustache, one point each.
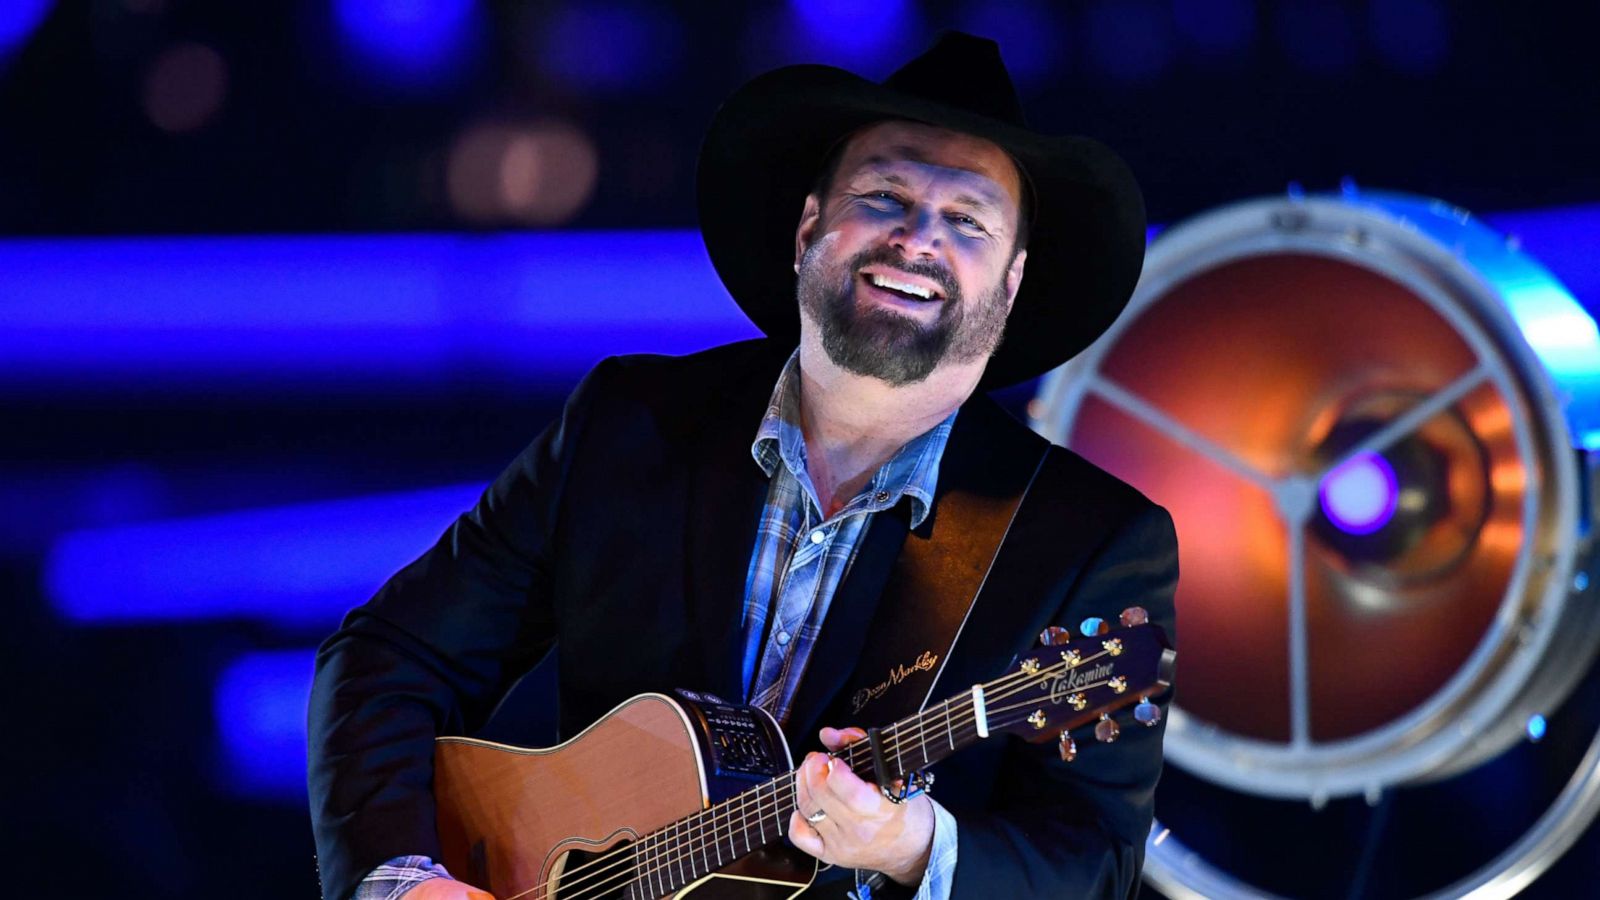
{"type": "Point", "coordinates": [888, 258]}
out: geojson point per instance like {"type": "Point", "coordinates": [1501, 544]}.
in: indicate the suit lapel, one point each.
{"type": "Point", "coordinates": [726, 489]}
{"type": "Point", "coordinates": [844, 633]}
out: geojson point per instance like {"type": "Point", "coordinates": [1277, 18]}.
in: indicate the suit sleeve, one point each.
{"type": "Point", "coordinates": [432, 653]}
{"type": "Point", "coordinates": [1078, 829]}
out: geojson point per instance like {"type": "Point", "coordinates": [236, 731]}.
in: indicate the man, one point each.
{"type": "Point", "coordinates": [640, 525]}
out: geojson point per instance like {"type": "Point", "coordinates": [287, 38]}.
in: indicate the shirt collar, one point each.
{"type": "Point", "coordinates": [912, 472]}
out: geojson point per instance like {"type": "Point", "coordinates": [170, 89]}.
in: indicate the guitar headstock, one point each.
{"type": "Point", "coordinates": [1067, 682]}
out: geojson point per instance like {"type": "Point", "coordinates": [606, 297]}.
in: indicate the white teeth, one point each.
{"type": "Point", "coordinates": [901, 286]}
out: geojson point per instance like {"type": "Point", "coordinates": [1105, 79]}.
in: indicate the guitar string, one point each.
{"type": "Point", "coordinates": [666, 862]}
{"type": "Point", "coordinates": [730, 809]}
{"type": "Point", "coordinates": [725, 813]}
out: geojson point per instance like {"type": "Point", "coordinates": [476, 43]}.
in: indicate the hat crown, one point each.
{"type": "Point", "coordinates": [964, 71]}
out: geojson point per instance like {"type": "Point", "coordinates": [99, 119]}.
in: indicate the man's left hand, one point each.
{"type": "Point", "coordinates": [862, 829]}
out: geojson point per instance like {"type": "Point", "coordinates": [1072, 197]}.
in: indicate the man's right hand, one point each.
{"type": "Point", "coordinates": [446, 889]}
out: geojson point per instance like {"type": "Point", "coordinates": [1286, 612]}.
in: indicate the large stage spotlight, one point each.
{"type": "Point", "coordinates": [1375, 421]}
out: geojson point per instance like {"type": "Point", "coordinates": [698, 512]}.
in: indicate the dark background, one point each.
{"type": "Point", "coordinates": [133, 773]}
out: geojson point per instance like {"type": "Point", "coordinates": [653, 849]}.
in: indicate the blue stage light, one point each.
{"type": "Point", "coordinates": [1359, 497]}
{"type": "Point", "coordinates": [1561, 332]}
{"type": "Point", "coordinates": [1536, 728]}
{"type": "Point", "coordinates": [1317, 35]}
{"type": "Point", "coordinates": [259, 705]}
{"type": "Point", "coordinates": [299, 566]}
{"type": "Point", "coordinates": [1215, 27]}
{"type": "Point", "coordinates": [853, 34]}
{"type": "Point", "coordinates": [18, 19]}
{"type": "Point", "coordinates": [411, 43]}
{"type": "Point", "coordinates": [615, 46]}
{"type": "Point", "coordinates": [1030, 36]}
{"type": "Point", "coordinates": [1130, 40]}
{"type": "Point", "coordinates": [1410, 34]}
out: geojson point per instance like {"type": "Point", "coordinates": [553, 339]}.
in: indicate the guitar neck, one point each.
{"type": "Point", "coordinates": [675, 856]}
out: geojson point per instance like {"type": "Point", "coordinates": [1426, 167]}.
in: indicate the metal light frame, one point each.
{"type": "Point", "coordinates": [1501, 304]}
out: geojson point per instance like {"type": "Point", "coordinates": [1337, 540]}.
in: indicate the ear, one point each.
{"type": "Point", "coordinates": [810, 219]}
{"type": "Point", "coordinates": [1014, 277]}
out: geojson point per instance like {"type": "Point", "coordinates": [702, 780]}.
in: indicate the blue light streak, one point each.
{"type": "Point", "coordinates": [297, 566]}
{"type": "Point", "coordinates": [259, 704]}
{"type": "Point", "coordinates": [387, 313]}
{"type": "Point", "coordinates": [393, 314]}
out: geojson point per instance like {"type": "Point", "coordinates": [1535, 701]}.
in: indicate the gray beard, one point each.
{"type": "Point", "coordinates": [880, 343]}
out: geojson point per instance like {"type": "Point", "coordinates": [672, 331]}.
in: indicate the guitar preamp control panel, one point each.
{"type": "Point", "coordinates": [740, 740]}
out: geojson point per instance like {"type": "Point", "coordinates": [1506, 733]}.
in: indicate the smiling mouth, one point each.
{"type": "Point", "coordinates": [899, 288]}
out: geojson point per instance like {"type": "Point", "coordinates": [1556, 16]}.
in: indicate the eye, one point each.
{"type": "Point", "coordinates": [883, 197]}
{"type": "Point", "coordinates": [966, 221]}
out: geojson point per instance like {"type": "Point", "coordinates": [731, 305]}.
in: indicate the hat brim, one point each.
{"type": "Point", "coordinates": [767, 144]}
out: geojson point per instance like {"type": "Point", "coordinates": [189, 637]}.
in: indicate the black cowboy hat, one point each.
{"type": "Point", "coordinates": [767, 144]}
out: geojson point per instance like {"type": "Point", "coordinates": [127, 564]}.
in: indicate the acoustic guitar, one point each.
{"type": "Point", "coordinates": [670, 794]}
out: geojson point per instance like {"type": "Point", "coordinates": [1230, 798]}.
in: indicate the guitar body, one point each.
{"type": "Point", "coordinates": [522, 823]}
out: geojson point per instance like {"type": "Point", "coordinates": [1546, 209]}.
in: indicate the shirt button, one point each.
{"type": "Point", "coordinates": [817, 536]}
{"type": "Point", "coordinates": [783, 638]}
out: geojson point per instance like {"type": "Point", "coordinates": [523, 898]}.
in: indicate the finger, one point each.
{"type": "Point", "coordinates": [839, 738]}
{"type": "Point", "coordinates": [806, 838]}
{"type": "Point", "coordinates": [809, 781]}
{"type": "Point", "coordinates": [843, 788]}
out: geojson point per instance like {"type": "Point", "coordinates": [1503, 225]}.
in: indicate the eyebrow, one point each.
{"type": "Point", "coordinates": [876, 162]}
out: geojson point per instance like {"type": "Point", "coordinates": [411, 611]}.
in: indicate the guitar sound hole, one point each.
{"type": "Point", "coordinates": [580, 875]}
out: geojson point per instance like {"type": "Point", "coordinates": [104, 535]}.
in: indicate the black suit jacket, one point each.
{"type": "Point", "coordinates": [625, 531]}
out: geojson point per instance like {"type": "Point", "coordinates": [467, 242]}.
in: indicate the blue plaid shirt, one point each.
{"type": "Point", "coordinates": [800, 558]}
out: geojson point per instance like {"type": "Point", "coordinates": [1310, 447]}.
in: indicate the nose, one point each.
{"type": "Point", "coordinates": [916, 236]}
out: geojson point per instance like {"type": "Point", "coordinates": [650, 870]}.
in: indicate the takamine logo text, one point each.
{"type": "Point", "coordinates": [1078, 679]}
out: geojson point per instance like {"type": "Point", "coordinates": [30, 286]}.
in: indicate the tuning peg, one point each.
{"type": "Point", "coordinates": [1094, 625]}
{"type": "Point", "coordinates": [1106, 730]}
{"type": "Point", "coordinates": [1147, 713]}
{"type": "Point", "coordinates": [1133, 615]}
{"type": "Point", "coordinates": [1068, 747]}
{"type": "Point", "coordinates": [1054, 635]}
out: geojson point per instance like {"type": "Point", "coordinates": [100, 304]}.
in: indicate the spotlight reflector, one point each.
{"type": "Point", "coordinates": [1371, 418]}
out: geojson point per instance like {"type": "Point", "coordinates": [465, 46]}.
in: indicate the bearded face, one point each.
{"type": "Point", "coordinates": [876, 341]}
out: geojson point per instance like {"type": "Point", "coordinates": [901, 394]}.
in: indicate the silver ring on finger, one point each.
{"type": "Point", "coordinates": [817, 816]}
